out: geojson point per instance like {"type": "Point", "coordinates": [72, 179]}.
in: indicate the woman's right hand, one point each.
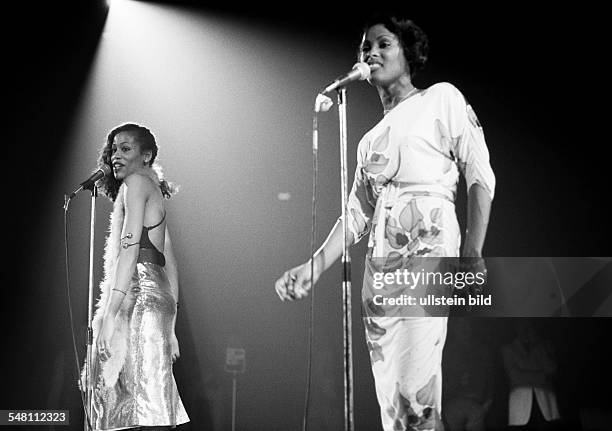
{"type": "Point", "coordinates": [105, 338]}
{"type": "Point", "coordinates": [295, 283]}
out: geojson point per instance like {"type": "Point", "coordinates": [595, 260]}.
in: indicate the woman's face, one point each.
{"type": "Point", "coordinates": [126, 155]}
{"type": "Point", "coordinates": [383, 51]}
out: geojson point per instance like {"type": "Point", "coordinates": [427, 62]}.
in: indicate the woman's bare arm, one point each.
{"type": "Point", "coordinates": [295, 282]}
{"type": "Point", "coordinates": [478, 211]}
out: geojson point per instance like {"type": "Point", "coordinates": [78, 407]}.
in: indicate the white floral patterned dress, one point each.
{"type": "Point", "coordinates": [403, 195]}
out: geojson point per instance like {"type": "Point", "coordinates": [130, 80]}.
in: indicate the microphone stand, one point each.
{"type": "Point", "coordinates": [323, 103]}
{"type": "Point", "coordinates": [88, 362]}
{"type": "Point", "coordinates": [346, 270]}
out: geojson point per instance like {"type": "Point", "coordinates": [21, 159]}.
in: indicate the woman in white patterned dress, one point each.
{"type": "Point", "coordinates": [403, 195]}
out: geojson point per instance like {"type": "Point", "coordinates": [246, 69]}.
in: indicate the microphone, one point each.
{"type": "Point", "coordinates": [359, 72]}
{"type": "Point", "coordinates": [103, 171]}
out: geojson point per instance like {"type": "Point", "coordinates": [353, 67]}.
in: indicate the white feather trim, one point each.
{"type": "Point", "coordinates": [118, 348]}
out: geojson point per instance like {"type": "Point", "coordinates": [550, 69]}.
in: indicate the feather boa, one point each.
{"type": "Point", "coordinates": [112, 366]}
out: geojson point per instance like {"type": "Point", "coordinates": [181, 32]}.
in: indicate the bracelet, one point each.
{"type": "Point", "coordinates": [119, 290]}
{"type": "Point", "coordinates": [126, 244]}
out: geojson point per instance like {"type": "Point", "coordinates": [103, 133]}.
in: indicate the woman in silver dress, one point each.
{"type": "Point", "coordinates": [134, 338]}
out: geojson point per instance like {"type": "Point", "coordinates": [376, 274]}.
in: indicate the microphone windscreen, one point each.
{"type": "Point", "coordinates": [106, 169]}
{"type": "Point", "coordinates": [364, 70]}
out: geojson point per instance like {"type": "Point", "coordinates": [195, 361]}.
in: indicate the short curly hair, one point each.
{"type": "Point", "coordinates": [413, 40]}
{"type": "Point", "coordinates": [109, 185]}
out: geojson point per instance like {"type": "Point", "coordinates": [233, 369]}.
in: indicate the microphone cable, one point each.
{"type": "Point", "coordinates": [315, 149]}
{"type": "Point", "coordinates": [72, 332]}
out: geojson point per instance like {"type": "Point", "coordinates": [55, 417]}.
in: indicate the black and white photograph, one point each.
{"type": "Point", "coordinates": [306, 216]}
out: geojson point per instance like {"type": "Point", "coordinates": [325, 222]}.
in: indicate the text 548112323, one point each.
{"type": "Point", "coordinates": [34, 417]}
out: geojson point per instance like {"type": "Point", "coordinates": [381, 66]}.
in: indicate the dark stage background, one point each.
{"type": "Point", "coordinates": [228, 91]}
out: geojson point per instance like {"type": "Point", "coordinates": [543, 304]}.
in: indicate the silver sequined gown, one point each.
{"type": "Point", "coordinates": [145, 394]}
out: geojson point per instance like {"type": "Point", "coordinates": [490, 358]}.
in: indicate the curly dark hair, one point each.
{"type": "Point", "coordinates": [109, 185]}
{"type": "Point", "coordinates": [413, 40]}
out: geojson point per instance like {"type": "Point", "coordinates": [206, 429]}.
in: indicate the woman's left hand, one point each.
{"type": "Point", "coordinates": [175, 353]}
{"type": "Point", "coordinates": [474, 263]}
{"type": "Point", "coordinates": [104, 338]}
